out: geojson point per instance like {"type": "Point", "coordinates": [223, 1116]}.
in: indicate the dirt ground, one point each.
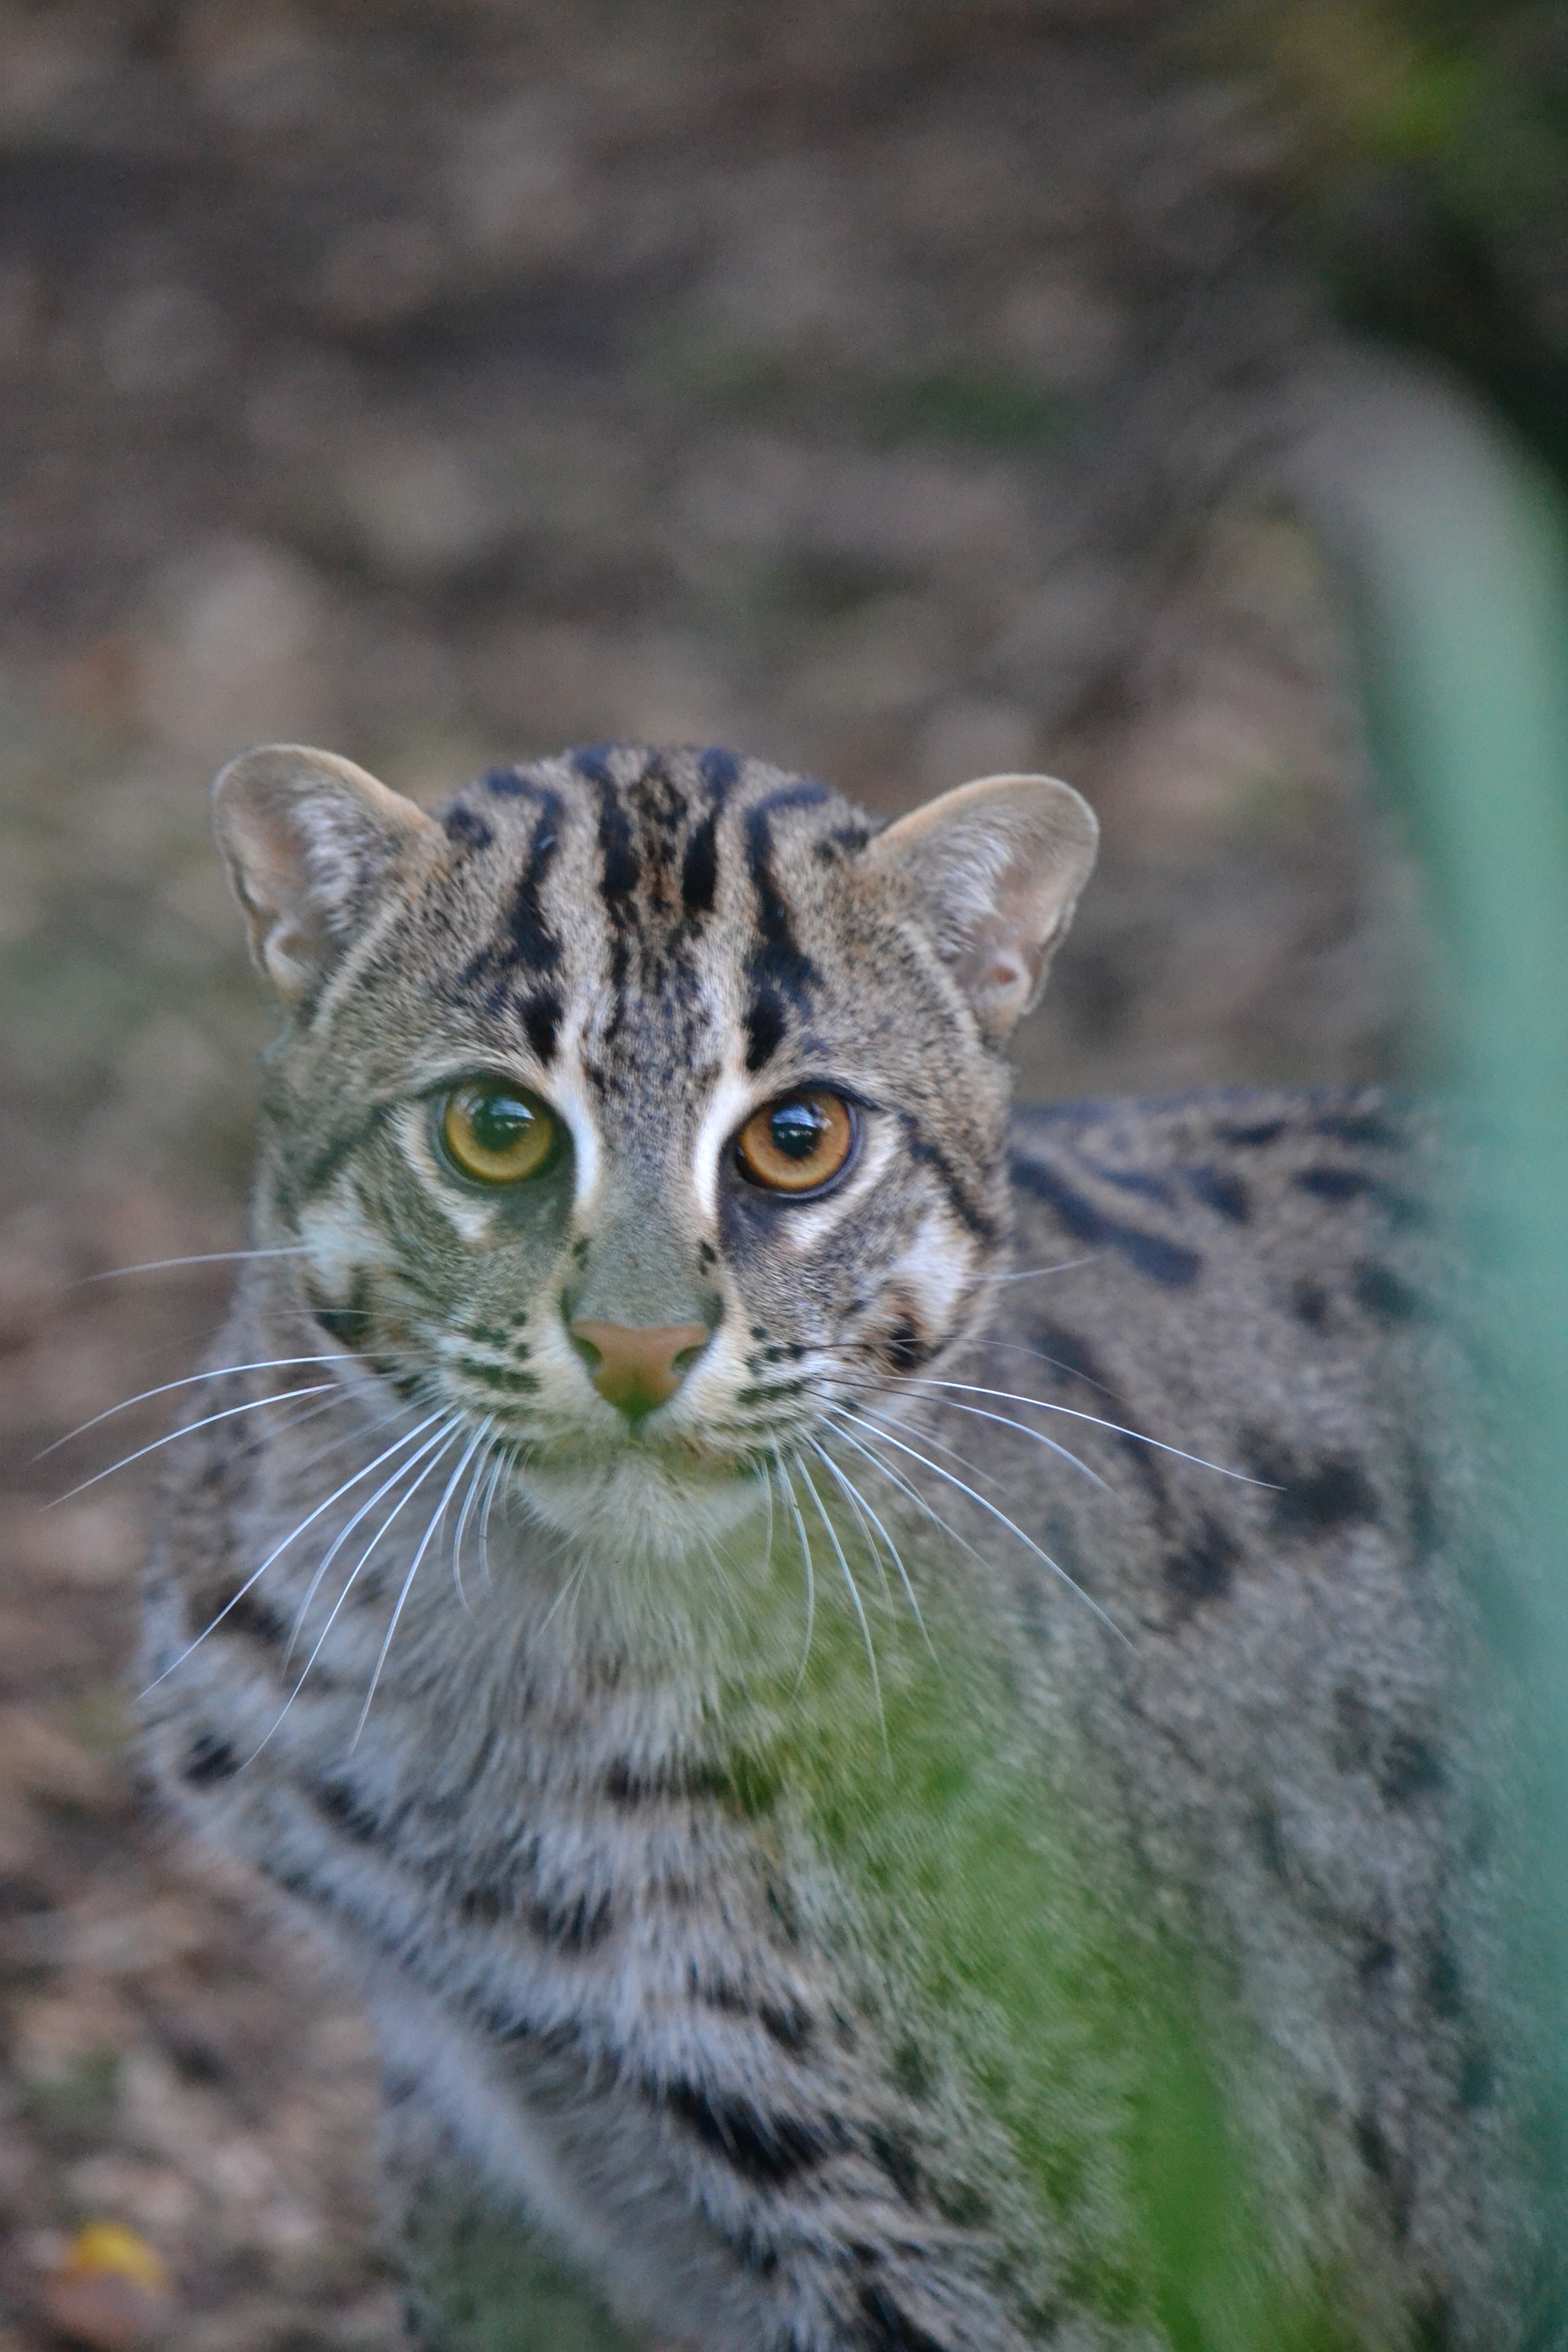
{"type": "Point", "coordinates": [884, 389]}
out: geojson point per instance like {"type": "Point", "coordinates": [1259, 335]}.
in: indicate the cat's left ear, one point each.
{"type": "Point", "coordinates": [308, 840]}
{"type": "Point", "coordinates": [998, 866]}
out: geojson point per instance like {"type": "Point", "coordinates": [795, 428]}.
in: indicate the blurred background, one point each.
{"type": "Point", "coordinates": [898, 389]}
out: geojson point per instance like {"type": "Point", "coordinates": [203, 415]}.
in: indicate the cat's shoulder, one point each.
{"type": "Point", "coordinates": [1205, 1189]}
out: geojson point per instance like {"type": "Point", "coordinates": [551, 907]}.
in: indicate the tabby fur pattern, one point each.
{"type": "Point", "coordinates": [829, 1871]}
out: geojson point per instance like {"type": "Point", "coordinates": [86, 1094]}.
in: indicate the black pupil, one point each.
{"type": "Point", "coordinates": [797, 1130]}
{"type": "Point", "coordinates": [500, 1122]}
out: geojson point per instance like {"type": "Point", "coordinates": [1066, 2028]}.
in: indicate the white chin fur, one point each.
{"type": "Point", "coordinates": [635, 1509]}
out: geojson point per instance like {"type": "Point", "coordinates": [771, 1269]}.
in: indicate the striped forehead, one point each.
{"type": "Point", "coordinates": [648, 881]}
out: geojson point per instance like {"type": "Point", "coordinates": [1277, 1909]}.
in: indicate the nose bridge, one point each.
{"type": "Point", "coordinates": [639, 1268]}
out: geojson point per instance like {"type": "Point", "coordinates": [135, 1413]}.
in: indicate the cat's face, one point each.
{"type": "Point", "coordinates": [647, 1110]}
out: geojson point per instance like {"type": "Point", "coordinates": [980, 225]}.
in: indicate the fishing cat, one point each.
{"type": "Point", "coordinates": [876, 1693]}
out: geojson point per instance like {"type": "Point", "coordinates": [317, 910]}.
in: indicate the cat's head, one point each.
{"type": "Point", "coordinates": [647, 1107]}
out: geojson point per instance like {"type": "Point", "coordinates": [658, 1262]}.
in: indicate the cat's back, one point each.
{"type": "Point", "coordinates": [1301, 1751]}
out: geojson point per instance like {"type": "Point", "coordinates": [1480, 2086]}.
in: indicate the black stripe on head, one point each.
{"type": "Point", "coordinates": [782, 975]}
{"type": "Point", "coordinates": [699, 869]}
{"type": "Point", "coordinates": [616, 848]}
{"type": "Point", "coordinates": [541, 1024]}
{"type": "Point", "coordinates": [532, 944]}
{"type": "Point", "coordinates": [718, 770]}
{"type": "Point", "coordinates": [592, 761]}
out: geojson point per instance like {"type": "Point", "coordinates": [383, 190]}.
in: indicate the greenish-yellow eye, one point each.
{"type": "Point", "coordinates": [798, 1143]}
{"type": "Point", "coordinates": [495, 1133]}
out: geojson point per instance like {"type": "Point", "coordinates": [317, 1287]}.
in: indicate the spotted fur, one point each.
{"type": "Point", "coordinates": [795, 1923]}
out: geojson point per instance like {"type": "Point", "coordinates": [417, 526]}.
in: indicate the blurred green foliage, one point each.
{"type": "Point", "coordinates": [1429, 158]}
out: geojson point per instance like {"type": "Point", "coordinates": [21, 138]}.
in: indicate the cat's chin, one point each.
{"type": "Point", "coordinates": [638, 1508]}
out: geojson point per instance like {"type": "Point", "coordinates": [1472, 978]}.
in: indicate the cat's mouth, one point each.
{"type": "Point", "coordinates": [645, 1497]}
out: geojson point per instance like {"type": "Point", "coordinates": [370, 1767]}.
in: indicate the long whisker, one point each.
{"type": "Point", "coordinates": [257, 1573]}
{"type": "Point", "coordinates": [193, 1380]}
{"type": "Point", "coordinates": [1056, 1568]}
{"type": "Point", "coordinates": [344, 1532]}
{"type": "Point", "coordinates": [788, 1488]}
{"type": "Point", "coordinates": [406, 1496]}
{"type": "Point", "coordinates": [201, 1257]}
{"type": "Point", "coordinates": [1032, 1272]}
{"type": "Point", "coordinates": [1003, 1421]}
{"type": "Point", "coordinates": [920, 1501]}
{"type": "Point", "coordinates": [1043, 1404]}
{"type": "Point", "coordinates": [480, 1468]}
{"type": "Point", "coordinates": [877, 1389]}
{"type": "Point", "coordinates": [854, 1596]}
{"type": "Point", "coordinates": [862, 1505]}
{"type": "Point", "coordinates": [189, 1430]}
{"type": "Point", "coordinates": [872, 1547]}
{"type": "Point", "coordinates": [494, 1488]}
{"type": "Point", "coordinates": [425, 1542]}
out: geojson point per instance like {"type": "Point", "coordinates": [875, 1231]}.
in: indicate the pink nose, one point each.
{"type": "Point", "coordinates": [637, 1367]}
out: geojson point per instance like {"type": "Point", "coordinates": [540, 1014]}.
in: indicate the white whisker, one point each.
{"type": "Point", "coordinates": [277, 1553]}
{"type": "Point", "coordinates": [1032, 1272]}
{"type": "Point", "coordinates": [344, 1532]}
{"type": "Point", "coordinates": [480, 1468]}
{"type": "Point", "coordinates": [1003, 1421]}
{"type": "Point", "coordinates": [860, 1501]}
{"type": "Point", "coordinates": [443, 1440]}
{"type": "Point", "coordinates": [788, 1488]}
{"type": "Point", "coordinates": [201, 1257]}
{"type": "Point", "coordinates": [189, 1429]}
{"type": "Point", "coordinates": [191, 1381]}
{"type": "Point", "coordinates": [425, 1542]}
{"type": "Point", "coordinates": [854, 1596]}
{"type": "Point", "coordinates": [1043, 1404]}
{"type": "Point", "coordinates": [1054, 1566]}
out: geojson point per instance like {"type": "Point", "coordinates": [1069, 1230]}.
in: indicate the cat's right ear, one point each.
{"type": "Point", "coordinates": [308, 840]}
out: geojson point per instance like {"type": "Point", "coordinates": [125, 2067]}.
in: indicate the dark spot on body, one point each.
{"type": "Point", "coordinates": [1377, 1960]}
{"type": "Point", "coordinates": [960, 2203]}
{"type": "Point", "coordinates": [1356, 1127]}
{"type": "Point", "coordinates": [578, 1926]}
{"type": "Point", "coordinates": [1385, 1295]}
{"type": "Point", "coordinates": [483, 1905]}
{"type": "Point", "coordinates": [1309, 1304]}
{"type": "Point", "coordinates": [887, 2328]}
{"type": "Point", "coordinates": [1335, 1184]}
{"type": "Point", "coordinates": [1202, 1571]}
{"type": "Point", "coordinates": [208, 1759]}
{"type": "Point", "coordinates": [1411, 1769]}
{"type": "Point", "coordinates": [767, 2148]}
{"type": "Point", "coordinates": [1164, 1261]}
{"type": "Point", "coordinates": [1315, 1499]}
{"type": "Point", "coordinates": [1443, 1986]}
{"type": "Point", "coordinates": [1221, 1192]}
{"type": "Point", "coordinates": [339, 1802]}
{"type": "Point", "coordinates": [1270, 1844]}
{"type": "Point", "coordinates": [1253, 1136]}
{"type": "Point", "coordinates": [912, 2071]}
{"type": "Point", "coordinates": [893, 2154]}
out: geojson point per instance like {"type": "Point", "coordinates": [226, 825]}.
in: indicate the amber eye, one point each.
{"type": "Point", "coordinates": [495, 1133]}
{"type": "Point", "coordinates": [798, 1143]}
